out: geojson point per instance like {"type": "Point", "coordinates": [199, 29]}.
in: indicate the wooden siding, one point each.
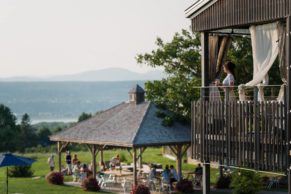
{"type": "Point", "coordinates": [245, 134]}
{"type": "Point", "coordinates": [240, 13]}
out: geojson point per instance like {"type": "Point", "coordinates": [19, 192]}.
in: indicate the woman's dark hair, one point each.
{"type": "Point", "coordinates": [230, 66]}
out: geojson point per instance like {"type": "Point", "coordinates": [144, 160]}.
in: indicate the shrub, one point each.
{"type": "Point", "coordinates": [246, 182]}
{"type": "Point", "coordinates": [223, 182]}
{"type": "Point", "coordinates": [20, 171]}
{"type": "Point", "coordinates": [90, 184]}
{"type": "Point", "coordinates": [185, 186]}
{"type": "Point", "coordinates": [265, 181]}
{"type": "Point", "coordinates": [140, 189]}
{"type": "Point", "coordinates": [55, 178]}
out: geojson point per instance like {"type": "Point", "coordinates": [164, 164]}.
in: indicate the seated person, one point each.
{"type": "Point", "coordinates": [83, 172]}
{"type": "Point", "coordinates": [198, 175]}
{"type": "Point", "coordinates": [198, 170]}
{"type": "Point", "coordinates": [153, 172]}
{"type": "Point", "coordinates": [115, 161]}
{"type": "Point", "coordinates": [174, 175]}
{"type": "Point", "coordinates": [166, 174]}
{"type": "Point", "coordinates": [76, 171]}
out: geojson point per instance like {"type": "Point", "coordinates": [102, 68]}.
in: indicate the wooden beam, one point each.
{"type": "Point", "coordinates": [288, 61]}
{"type": "Point", "coordinates": [206, 178]}
{"type": "Point", "coordinates": [61, 146]}
{"type": "Point", "coordinates": [174, 150]}
{"type": "Point", "coordinates": [141, 151]}
{"type": "Point", "coordinates": [128, 150]}
{"type": "Point", "coordinates": [179, 161]}
{"type": "Point", "coordinates": [205, 63]}
{"type": "Point", "coordinates": [186, 147]}
{"type": "Point", "coordinates": [94, 149]}
{"type": "Point", "coordinates": [134, 167]}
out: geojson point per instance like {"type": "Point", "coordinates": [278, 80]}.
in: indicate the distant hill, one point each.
{"type": "Point", "coordinates": [110, 74]}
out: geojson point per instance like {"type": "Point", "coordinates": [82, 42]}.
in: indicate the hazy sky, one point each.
{"type": "Point", "coordinates": [51, 37]}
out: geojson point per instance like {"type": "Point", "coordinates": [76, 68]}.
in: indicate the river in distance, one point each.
{"type": "Point", "coordinates": [62, 101]}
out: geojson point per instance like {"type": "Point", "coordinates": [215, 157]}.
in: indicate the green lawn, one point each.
{"type": "Point", "coordinates": [40, 167]}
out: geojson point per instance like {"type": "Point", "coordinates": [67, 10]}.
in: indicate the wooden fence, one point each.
{"type": "Point", "coordinates": [246, 134]}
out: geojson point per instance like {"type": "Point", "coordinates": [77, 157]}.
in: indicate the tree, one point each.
{"type": "Point", "coordinates": [8, 129]}
{"type": "Point", "coordinates": [84, 116]}
{"type": "Point", "coordinates": [27, 136]}
{"type": "Point", "coordinates": [43, 136]}
{"type": "Point", "coordinates": [181, 60]}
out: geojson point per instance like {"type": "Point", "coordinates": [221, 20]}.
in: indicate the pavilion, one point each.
{"type": "Point", "coordinates": [131, 125]}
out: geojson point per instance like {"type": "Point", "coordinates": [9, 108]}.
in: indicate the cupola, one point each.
{"type": "Point", "coordinates": [136, 94]}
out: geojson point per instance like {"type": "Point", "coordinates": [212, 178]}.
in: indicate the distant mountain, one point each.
{"type": "Point", "coordinates": [110, 74]}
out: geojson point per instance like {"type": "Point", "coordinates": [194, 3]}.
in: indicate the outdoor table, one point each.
{"type": "Point", "coordinates": [118, 174]}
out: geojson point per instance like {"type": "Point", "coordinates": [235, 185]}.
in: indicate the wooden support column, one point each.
{"type": "Point", "coordinates": [140, 157]}
{"type": "Point", "coordinates": [179, 161]}
{"type": "Point", "coordinates": [204, 95]}
{"type": "Point", "coordinates": [61, 146]}
{"type": "Point", "coordinates": [134, 167]}
{"type": "Point", "coordinates": [205, 64]}
{"type": "Point", "coordinates": [179, 152]}
{"type": "Point", "coordinates": [59, 157]}
{"type": "Point", "coordinates": [206, 178]}
{"type": "Point", "coordinates": [288, 61]}
{"type": "Point", "coordinates": [101, 156]}
{"type": "Point", "coordinates": [94, 151]}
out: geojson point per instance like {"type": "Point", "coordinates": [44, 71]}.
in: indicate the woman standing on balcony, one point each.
{"type": "Point", "coordinates": [229, 80]}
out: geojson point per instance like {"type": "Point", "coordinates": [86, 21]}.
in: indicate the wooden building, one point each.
{"type": "Point", "coordinates": [244, 134]}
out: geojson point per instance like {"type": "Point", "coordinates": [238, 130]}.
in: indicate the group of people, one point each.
{"type": "Point", "coordinates": [73, 166]}
{"type": "Point", "coordinates": [169, 174]}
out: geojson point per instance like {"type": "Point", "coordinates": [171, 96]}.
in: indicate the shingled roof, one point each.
{"type": "Point", "coordinates": [126, 125]}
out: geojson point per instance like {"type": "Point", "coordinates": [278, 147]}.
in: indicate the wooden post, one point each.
{"type": "Point", "coordinates": [60, 156]}
{"type": "Point", "coordinates": [205, 58]}
{"type": "Point", "coordinates": [204, 95]}
{"type": "Point", "coordinates": [206, 178]}
{"type": "Point", "coordinates": [134, 167]}
{"type": "Point", "coordinates": [288, 61]}
{"type": "Point", "coordinates": [94, 151]}
{"type": "Point", "coordinates": [179, 161]}
{"type": "Point", "coordinates": [101, 156]}
{"type": "Point", "coordinates": [94, 160]}
{"type": "Point", "coordinates": [140, 157]}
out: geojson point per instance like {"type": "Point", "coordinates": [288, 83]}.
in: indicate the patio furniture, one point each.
{"type": "Point", "coordinates": [126, 185]}
{"type": "Point", "coordinates": [274, 182]}
{"type": "Point", "coordinates": [107, 180]}
{"type": "Point", "coordinates": [165, 185]}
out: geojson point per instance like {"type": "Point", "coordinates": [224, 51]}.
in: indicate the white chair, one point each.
{"type": "Point", "coordinates": [126, 185]}
{"type": "Point", "coordinates": [274, 181]}
{"type": "Point", "coordinates": [107, 180]}
{"type": "Point", "coordinates": [166, 186]}
{"type": "Point", "coordinates": [99, 179]}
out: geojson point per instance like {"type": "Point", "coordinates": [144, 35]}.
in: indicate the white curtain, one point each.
{"type": "Point", "coordinates": [265, 50]}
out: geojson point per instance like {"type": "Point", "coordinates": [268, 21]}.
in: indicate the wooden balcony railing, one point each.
{"type": "Point", "coordinates": [247, 134]}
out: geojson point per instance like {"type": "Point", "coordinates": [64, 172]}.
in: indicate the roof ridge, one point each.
{"type": "Point", "coordinates": [141, 123]}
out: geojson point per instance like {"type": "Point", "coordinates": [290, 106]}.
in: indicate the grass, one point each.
{"type": "Point", "coordinates": [40, 168]}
